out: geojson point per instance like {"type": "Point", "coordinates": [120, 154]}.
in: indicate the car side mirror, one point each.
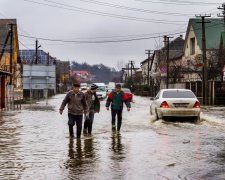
{"type": "Point", "coordinates": [152, 98]}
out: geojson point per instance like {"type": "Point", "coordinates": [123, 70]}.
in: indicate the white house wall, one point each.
{"type": "Point", "coordinates": [188, 57]}
{"type": "Point", "coordinates": [187, 52]}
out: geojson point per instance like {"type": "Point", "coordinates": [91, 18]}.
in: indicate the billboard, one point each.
{"type": "Point", "coordinates": [39, 77]}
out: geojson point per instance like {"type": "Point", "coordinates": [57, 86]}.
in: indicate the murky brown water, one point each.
{"type": "Point", "coordinates": [34, 144]}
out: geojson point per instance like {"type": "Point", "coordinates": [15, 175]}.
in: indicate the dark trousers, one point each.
{"type": "Point", "coordinates": [75, 119]}
{"type": "Point", "coordinates": [88, 122]}
{"type": "Point", "coordinates": [117, 112]}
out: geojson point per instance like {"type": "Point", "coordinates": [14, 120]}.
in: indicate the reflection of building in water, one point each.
{"type": "Point", "coordinates": [81, 156]}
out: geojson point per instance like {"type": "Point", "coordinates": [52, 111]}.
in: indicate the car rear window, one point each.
{"type": "Point", "coordinates": [178, 94]}
{"type": "Point", "coordinates": [126, 90]}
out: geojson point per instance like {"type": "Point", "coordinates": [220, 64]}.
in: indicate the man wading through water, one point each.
{"type": "Point", "coordinates": [116, 99]}
{"type": "Point", "coordinates": [93, 107]}
{"type": "Point", "coordinates": [77, 105]}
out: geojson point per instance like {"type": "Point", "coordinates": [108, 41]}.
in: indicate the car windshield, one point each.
{"type": "Point", "coordinates": [101, 88]}
{"type": "Point", "coordinates": [178, 94]}
{"type": "Point", "coordinates": [126, 90]}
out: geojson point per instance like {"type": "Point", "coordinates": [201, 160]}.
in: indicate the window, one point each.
{"type": "Point", "coordinates": [192, 43]}
{"type": "Point", "coordinates": [178, 94]}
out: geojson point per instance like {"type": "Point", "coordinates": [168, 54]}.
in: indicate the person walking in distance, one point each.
{"type": "Point", "coordinates": [77, 105]}
{"type": "Point", "coordinates": [93, 104]}
{"type": "Point", "coordinates": [116, 99]}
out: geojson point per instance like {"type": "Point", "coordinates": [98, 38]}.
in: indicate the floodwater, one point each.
{"type": "Point", "coordinates": [34, 144]}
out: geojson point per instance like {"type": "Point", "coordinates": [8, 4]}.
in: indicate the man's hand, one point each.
{"type": "Point", "coordinates": [87, 114]}
{"type": "Point", "coordinates": [128, 109]}
{"type": "Point", "coordinates": [60, 111]}
{"type": "Point", "coordinates": [107, 108]}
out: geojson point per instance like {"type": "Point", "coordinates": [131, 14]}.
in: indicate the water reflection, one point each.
{"type": "Point", "coordinates": [117, 146]}
{"type": "Point", "coordinates": [10, 164]}
{"type": "Point", "coordinates": [118, 155]}
{"type": "Point", "coordinates": [81, 155]}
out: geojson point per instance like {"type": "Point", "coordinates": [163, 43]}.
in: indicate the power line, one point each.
{"type": "Point", "coordinates": [94, 42]}
{"type": "Point", "coordinates": [134, 9]}
{"type": "Point", "coordinates": [23, 45]}
{"type": "Point", "coordinates": [183, 3]}
{"type": "Point", "coordinates": [192, 2]}
{"type": "Point", "coordinates": [109, 41]}
{"type": "Point", "coordinates": [83, 10]}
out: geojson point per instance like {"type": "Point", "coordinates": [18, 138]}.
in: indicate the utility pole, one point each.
{"type": "Point", "coordinates": [148, 52]}
{"type": "Point", "coordinates": [11, 53]}
{"type": "Point", "coordinates": [167, 42]}
{"type": "Point", "coordinates": [128, 67]}
{"type": "Point", "coordinates": [223, 15]}
{"type": "Point", "coordinates": [36, 51]}
{"type": "Point", "coordinates": [48, 63]}
{"type": "Point", "coordinates": [205, 62]}
{"type": "Point", "coordinates": [131, 70]}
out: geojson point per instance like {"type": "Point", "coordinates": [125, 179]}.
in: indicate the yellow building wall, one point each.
{"type": "Point", "coordinates": [16, 70]}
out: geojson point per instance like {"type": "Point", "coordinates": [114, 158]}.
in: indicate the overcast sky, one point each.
{"type": "Point", "coordinates": [88, 20]}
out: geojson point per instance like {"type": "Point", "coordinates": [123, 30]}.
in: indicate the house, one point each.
{"type": "Point", "coordinates": [10, 69]}
{"type": "Point", "coordinates": [193, 60]}
{"type": "Point", "coordinates": [158, 67]}
{"type": "Point", "coordinates": [28, 56]}
{"type": "Point", "coordinates": [82, 76]}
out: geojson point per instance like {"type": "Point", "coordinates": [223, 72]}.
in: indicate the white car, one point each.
{"type": "Point", "coordinates": [83, 87]}
{"type": "Point", "coordinates": [101, 91]}
{"type": "Point", "coordinates": [175, 103]}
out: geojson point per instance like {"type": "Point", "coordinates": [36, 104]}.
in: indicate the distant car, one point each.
{"type": "Point", "coordinates": [83, 87]}
{"type": "Point", "coordinates": [129, 93]}
{"type": "Point", "coordinates": [101, 91]}
{"type": "Point", "coordinates": [175, 103]}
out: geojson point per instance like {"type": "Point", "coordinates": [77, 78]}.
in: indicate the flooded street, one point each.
{"type": "Point", "coordinates": [34, 144]}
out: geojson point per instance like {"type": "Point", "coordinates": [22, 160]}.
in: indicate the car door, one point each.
{"type": "Point", "coordinates": [154, 103]}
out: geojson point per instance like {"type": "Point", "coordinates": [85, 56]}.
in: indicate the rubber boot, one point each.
{"type": "Point", "coordinates": [71, 131]}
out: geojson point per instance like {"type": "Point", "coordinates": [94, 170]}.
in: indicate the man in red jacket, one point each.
{"type": "Point", "coordinates": [116, 99]}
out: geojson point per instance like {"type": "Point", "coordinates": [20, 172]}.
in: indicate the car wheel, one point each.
{"type": "Point", "coordinates": [196, 119]}
{"type": "Point", "coordinates": [156, 115]}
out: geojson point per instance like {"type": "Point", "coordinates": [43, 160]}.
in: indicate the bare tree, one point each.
{"type": "Point", "coordinates": [120, 64]}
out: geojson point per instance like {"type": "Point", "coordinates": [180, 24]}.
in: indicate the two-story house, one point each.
{"type": "Point", "coordinates": [193, 59]}
{"type": "Point", "coordinates": [10, 76]}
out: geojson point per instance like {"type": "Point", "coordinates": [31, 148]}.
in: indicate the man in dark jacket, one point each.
{"type": "Point", "coordinates": [77, 105]}
{"type": "Point", "coordinates": [116, 99]}
{"type": "Point", "coordinates": [93, 107]}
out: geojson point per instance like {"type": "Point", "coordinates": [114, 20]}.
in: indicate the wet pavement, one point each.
{"type": "Point", "coordinates": [34, 144]}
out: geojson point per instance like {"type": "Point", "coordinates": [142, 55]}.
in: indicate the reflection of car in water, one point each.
{"type": "Point", "coordinates": [101, 92]}
{"type": "Point", "coordinates": [175, 103]}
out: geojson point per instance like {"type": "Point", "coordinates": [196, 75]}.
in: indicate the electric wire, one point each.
{"type": "Point", "coordinates": [134, 9]}
{"type": "Point", "coordinates": [182, 3]}
{"type": "Point", "coordinates": [109, 41]}
{"type": "Point", "coordinates": [83, 10]}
